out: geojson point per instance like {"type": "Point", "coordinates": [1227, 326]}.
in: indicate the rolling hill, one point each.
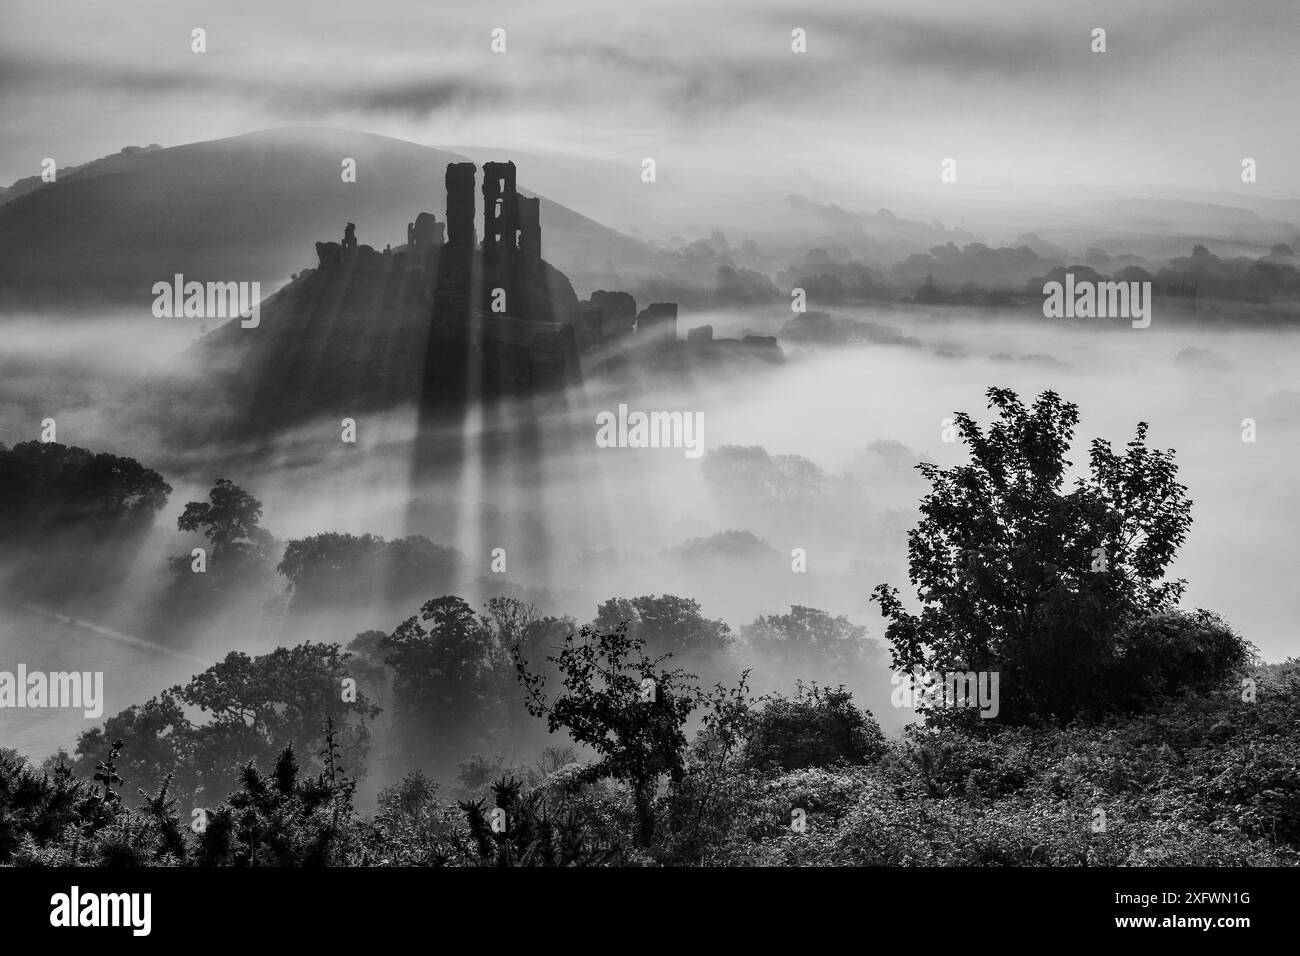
{"type": "Point", "coordinates": [246, 208]}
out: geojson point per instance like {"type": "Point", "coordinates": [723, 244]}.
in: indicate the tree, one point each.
{"type": "Point", "coordinates": [624, 706]}
{"type": "Point", "coordinates": [808, 643]}
{"type": "Point", "coordinates": [1015, 574]}
{"type": "Point", "coordinates": [751, 473]}
{"type": "Point", "coordinates": [367, 666]}
{"type": "Point", "coordinates": [229, 519]}
{"type": "Point", "coordinates": [329, 569]}
{"type": "Point", "coordinates": [71, 514]}
{"type": "Point", "coordinates": [441, 680]}
{"type": "Point", "coordinates": [667, 625]}
{"type": "Point", "coordinates": [415, 566]}
{"type": "Point", "coordinates": [259, 704]}
{"type": "Point", "coordinates": [518, 631]}
{"type": "Point", "coordinates": [157, 741]}
{"type": "Point", "coordinates": [44, 486]}
{"type": "Point", "coordinates": [238, 566]}
{"type": "Point", "coordinates": [742, 287]}
{"type": "Point", "coordinates": [333, 570]}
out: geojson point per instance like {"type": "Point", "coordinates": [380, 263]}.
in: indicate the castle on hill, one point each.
{"type": "Point", "coordinates": [502, 321]}
{"type": "Point", "coordinates": [446, 320]}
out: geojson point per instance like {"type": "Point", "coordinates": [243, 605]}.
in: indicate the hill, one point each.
{"type": "Point", "coordinates": [246, 208]}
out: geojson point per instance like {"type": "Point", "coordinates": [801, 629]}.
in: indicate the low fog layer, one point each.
{"type": "Point", "coordinates": [815, 454]}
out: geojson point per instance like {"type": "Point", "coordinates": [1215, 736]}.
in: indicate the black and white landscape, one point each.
{"type": "Point", "coordinates": [680, 434]}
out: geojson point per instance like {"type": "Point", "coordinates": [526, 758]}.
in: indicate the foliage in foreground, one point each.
{"type": "Point", "coordinates": [1126, 740]}
{"type": "Point", "coordinates": [1201, 780]}
{"type": "Point", "coordinates": [1058, 587]}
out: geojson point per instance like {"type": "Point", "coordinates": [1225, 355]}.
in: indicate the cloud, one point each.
{"type": "Point", "coordinates": [415, 96]}
{"type": "Point", "coordinates": [1008, 84]}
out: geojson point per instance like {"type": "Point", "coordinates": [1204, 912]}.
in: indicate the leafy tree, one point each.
{"type": "Point", "coordinates": [48, 486]}
{"type": "Point", "coordinates": [751, 473]}
{"type": "Point", "coordinates": [70, 514]}
{"type": "Point", "coordinates": [256, 705]}
{"type": "Point", "coordinates": [414, 565]}
{"type": "Point", "coordinates": [442, 680]}
{"type": "Point", "coordinates": [517, 630]}
{"type": "Point", "coordinates": [229, 519]}
{"type": "Point", "coordinates": [238, 566]}
{"type": "Point", "coordinates": [622, 705]}
{"type": "Point", "coordinates": [332, 569]}
{"type": "Point", "coordinates": [1015, 573]}
{"type": "Point", "coordinates": [157, 739]}
{"type": "Point", "coordinates": [344, 570]}
{"type": "Point", "coordinates": [366, 665]}
{"type": "Point", "coordinates": [808, 643]}
{"type": "Point", "coordinates": [667, 624]}
{"type": "Point", "coordinates": [259, 704]}
{"type": "Point", "coordinates": [742, 287]}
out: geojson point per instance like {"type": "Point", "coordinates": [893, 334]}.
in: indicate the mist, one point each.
{"type": "Point", "coordinates": [580, 524]}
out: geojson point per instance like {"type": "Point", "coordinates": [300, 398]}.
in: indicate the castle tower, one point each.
{"type": "Point", "coordinates": [530, 232]}
{"type": "Point", "coordinates": [500, 217]}
{"type": "Point", "coordinates": [460, 204]}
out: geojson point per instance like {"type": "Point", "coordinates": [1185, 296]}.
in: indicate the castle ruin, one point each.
{"type": "Point", "coordinates": [500, 320]}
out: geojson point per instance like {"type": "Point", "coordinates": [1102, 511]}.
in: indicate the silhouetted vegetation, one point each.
{"type": "Point", "coordinates": [1196, 780]}
{"type": "Point", "coordinates": [234, 565]}
{"type": "Point", "coordinates": [340, 570]}
{"type": "Point", "coordinates": [1130, 731]}
{"type": "Point", "coordinates": [47, 487]}
{"type": "Point", "coordinates": [1061, 592]}
{"type": "Point", "coordinates": [73, 514]}
{"type": "Point", "coordinates": [817, 727]}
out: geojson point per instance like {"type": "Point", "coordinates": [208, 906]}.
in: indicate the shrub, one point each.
{"type": "Point", "coordinates": [817, 727]}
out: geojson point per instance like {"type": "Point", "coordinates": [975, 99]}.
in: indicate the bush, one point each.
{"type": "Point", "coordinates": [1173, 653]}
{"type": "Point", "coordinates": [817, 727]}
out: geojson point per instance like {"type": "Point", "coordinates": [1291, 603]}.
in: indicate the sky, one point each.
{"type": "Point", "coordinates": [886, 90]}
